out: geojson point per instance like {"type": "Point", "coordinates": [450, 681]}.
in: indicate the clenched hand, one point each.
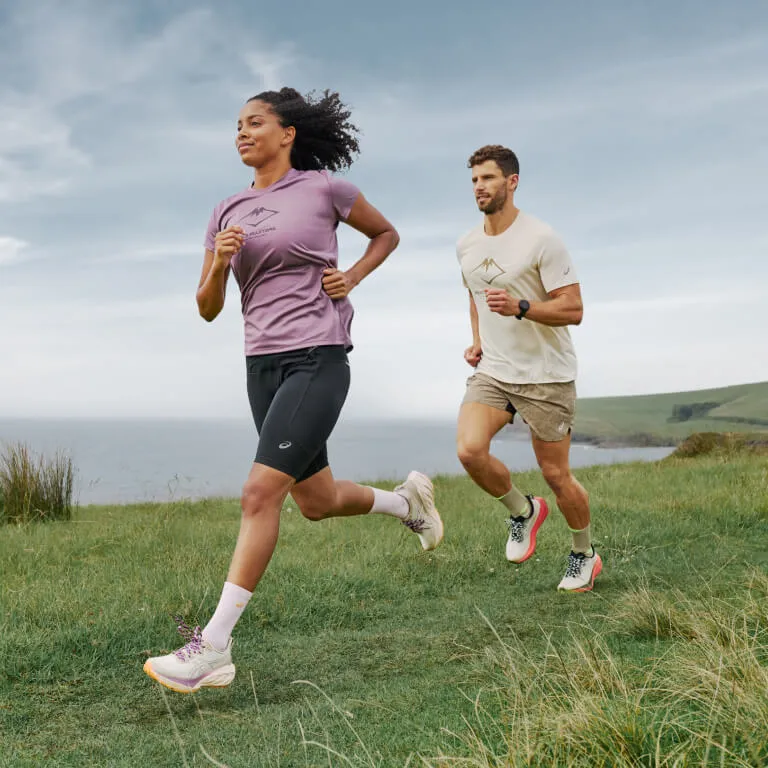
{"type": "Point", "coordinates": [337, 284]}
{"type": "Point", "coordinates": [501, 302]}
{"type": "Point", "coordinates": [473, 354]}
{"type": "Point", "coordinates": [228, 242]}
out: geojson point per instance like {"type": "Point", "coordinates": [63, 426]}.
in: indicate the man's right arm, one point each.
{"type": "Point", "coordinates": [473, 354]}
{"type": "Point", "coordinates": [474, 320]}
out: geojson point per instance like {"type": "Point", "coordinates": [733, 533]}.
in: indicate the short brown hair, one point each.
{"type": "Point", "coordinates": [505, 158]}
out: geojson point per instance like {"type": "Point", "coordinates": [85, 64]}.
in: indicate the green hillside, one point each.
{"type": "Point", "coordinates": [671, 417]}
{"type": "Point", "coordinates": [358, 650]}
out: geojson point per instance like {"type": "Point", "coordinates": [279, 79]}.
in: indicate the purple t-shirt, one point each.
{"type": "Point", "coordinates": [290, 238]}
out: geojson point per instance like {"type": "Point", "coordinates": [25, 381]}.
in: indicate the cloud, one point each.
{"type": "Point", "coordinates": [271, 68]}
{"type": "Point", "coordinates": [640, 95]}
{"type": "Point", "coordinates": [11, 250]}
{"type": "Point", "coordinates": [91, 85]}
{"type": "Point", "coordinates": [37, 154]}
{"type": "Point", "coordinates": [677, 303]}
{"type": "Point", "coordinates": [146, 252]}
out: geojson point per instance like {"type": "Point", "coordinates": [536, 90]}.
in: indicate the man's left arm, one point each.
{"type": "Point", "coordinates": [563, 305]}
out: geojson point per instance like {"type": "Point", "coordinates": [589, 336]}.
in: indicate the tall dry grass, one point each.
{"type": "Point", "coordinates": [34, 488]}
{"type": "Point", "coordinates": [702, 700]}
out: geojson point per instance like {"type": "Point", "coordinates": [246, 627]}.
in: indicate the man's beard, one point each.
{"type": "Point", "coordinates": [496, 203]}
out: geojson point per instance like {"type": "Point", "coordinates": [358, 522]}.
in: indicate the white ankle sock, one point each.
{"type": "Point", "coordinates": [389, 503]}
{"type": "Point", "coordinates": [517, 504]}
{"type": "Point", "coordinates": [582, 541]}
{"type": "Point", "coordinates": [229, 610]}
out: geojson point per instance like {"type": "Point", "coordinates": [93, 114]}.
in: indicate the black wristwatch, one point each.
{"type": "Point", "coordinates": [524, 307]}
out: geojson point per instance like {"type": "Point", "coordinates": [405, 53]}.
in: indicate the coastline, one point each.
{"type": "Point", "coordinates": [518, 431]}
{"type": "Point", "coordinates": [637, 440]}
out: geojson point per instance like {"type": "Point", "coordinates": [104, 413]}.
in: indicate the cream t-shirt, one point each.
{"type": "Point", "coordinates": [528, 260]}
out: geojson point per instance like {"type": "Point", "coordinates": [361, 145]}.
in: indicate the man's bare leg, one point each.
{"type": "Point", "coordinates": [584, 564]}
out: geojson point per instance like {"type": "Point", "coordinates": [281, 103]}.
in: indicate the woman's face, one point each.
{"type": "Point", "coordinates": [260, 137]}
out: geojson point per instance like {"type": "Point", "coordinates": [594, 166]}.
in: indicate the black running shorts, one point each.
{"type": "Point", "coordinates": [296, 398]}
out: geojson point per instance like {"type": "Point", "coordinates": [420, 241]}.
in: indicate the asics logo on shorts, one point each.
{"type": "Point", "coordinates": [285, 444]}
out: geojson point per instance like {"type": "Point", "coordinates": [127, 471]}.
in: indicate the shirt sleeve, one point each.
{"type": "Point", "coordinates": [212, 231]}
{"type": "Point", "coordinates": [556, 267]}
{"type": "Point", "coordinates": [343, 195]}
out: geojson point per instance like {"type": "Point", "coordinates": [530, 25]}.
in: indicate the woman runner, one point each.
{"type": "Point", "coordinates": [278, 238]}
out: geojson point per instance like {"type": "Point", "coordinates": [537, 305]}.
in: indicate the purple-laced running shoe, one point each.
{"type": "Point", "coordinates": [423, 518]}
{"type": "Point", "coordinates": [197, 664]}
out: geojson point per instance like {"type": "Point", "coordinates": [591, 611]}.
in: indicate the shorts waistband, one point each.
{"type": "Point", "coordinates": [297, 351]}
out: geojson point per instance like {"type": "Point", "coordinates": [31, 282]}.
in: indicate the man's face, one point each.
{"type": "Point", "coordinates": [491, 186]}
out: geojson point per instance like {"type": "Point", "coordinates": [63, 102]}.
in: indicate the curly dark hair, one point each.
{"type": "Point", "coordinates": [325, 139]}
{"type": "Point", "coordinates": [505, 158]}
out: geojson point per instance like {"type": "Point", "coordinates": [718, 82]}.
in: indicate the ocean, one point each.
{"type": "Point", "coordinates": [128, 461]}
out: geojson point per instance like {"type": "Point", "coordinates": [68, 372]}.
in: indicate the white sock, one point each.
{"type": "Point", "coordinates": [389, 503]}
{"type": "Point", "coordinates": [517, 504]}
{"type": "Point", "coordinates": [582, 541]}
{"type": "Point", "coordinates": [228, 612]}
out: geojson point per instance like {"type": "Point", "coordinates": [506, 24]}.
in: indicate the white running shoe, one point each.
{"type": "Point", "coordinates": [194, 666]}
{"type": "Point", "coordinates": [521, 543]}
{"type": "Point", "coordinates": [423, 518]}
{"type": "Point", "coordinates": [581, 572]}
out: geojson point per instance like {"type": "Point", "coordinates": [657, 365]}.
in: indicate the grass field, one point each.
{"type": "Point", "coordinates": [732, 409]}
{"type": "Point", "coordinates": [361, 650]}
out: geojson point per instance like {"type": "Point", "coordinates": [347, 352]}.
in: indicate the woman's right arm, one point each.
{"type": "Point", "coordinates": [212, 288]}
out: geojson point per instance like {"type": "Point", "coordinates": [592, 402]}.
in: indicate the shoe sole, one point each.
{"type": "Point", "coordinates": [595, 573]}
{"type": "Point", "coordinates": [543, 512]}
{"type": "Point", "coordinates": [221, 678]}
{"type": "Point", "coordinates": [440, 528]}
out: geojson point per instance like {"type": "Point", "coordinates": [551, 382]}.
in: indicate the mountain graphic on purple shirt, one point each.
{"type": "Point", "coordinates": [290, 238]}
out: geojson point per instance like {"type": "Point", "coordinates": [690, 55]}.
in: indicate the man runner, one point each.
{"type": "Point", "coordinates": [523, 295]}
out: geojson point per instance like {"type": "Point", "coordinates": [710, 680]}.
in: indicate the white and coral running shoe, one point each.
{"type": "Point", "coordinates": [521, 543]}
{"type": "Point", "coordinates": [423, 518]}
{"type": "Point", "coordinates": [581, 572]}
{"type": "Point", "coordinates": [194, 666]}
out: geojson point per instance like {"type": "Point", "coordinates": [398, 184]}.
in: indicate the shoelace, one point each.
{"type": "Point", "coordinates": [516, 527]}
{"type": "Point", "coordinates": [194, 638]}
{"type": "Point", "coordinates": [417, 526]}
{"type": "Point", "coordinates": [575, 563]}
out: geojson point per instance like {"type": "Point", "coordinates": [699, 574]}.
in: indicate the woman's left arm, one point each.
{"type": "Point", "coordinates": [383, 240]}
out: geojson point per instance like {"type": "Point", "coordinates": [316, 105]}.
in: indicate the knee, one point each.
{"type": "Point", "coordinates": [257, 498]}
{"type": "Point", "coordinates": [556, 477]}
{"type": "Point", "coordinates": [471, 454]}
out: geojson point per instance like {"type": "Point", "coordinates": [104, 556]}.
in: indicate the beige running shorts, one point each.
{"type": "Point", "coordinates": [548, 409]}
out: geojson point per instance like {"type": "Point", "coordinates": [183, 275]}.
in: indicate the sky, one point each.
{"type": "Point", "coordinates": [638, 128]}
